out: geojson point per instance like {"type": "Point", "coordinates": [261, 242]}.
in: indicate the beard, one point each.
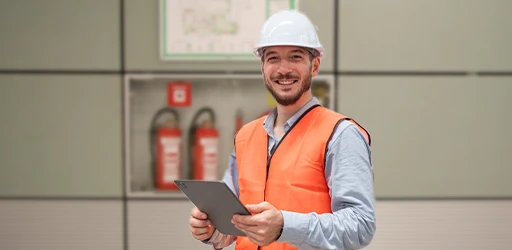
{"type": "Point", "coordinates": [305, 85]}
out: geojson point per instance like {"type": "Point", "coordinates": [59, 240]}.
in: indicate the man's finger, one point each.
{"type": "Point", "coordinates": [247, 228]}
{"type": "Point", "coordinates": [198, 231]}
{"type": "Point", "coordinates": [199, 223]}
{"type": "Point", "coordinates": [258, 208]}
{"type": "Point", "coordinates": [254, 220]}
{"type": "Point", "coordinates": [202, 236]}
{"type": "Point", "coordinates": [196, 213]}
{"type": "Point", "coordinates": [246, 220]}
{"type": "Point", "coordinates": [241, 228]}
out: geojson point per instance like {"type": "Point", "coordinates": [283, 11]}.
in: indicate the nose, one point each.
{"type": "Point", "coordinates": [284, 68]}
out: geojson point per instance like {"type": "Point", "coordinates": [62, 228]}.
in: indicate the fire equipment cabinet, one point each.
{"type": "Point", "coordinates": [222, 102]}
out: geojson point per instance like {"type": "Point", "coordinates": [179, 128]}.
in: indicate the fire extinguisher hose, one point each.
{"type": "Point", "coordinates": [153, 130]}
{"type": "Point", "coordinates": [191, 135]}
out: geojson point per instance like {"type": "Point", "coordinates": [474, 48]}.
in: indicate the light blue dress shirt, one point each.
{"type": "Point", "coordinates": [349, 176]}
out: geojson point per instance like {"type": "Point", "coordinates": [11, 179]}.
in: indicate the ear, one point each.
{"type": "Point", "coordinates": [315, 66]}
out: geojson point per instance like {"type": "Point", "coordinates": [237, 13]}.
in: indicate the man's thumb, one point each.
{"type": "Point", "coordinates": [258, 208]}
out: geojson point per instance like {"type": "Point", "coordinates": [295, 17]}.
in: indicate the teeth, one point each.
{"type": "Point", "coordinates": [285, 82]}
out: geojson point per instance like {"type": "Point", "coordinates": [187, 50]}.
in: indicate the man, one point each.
{"type": "Point", "coordinates": [304, 172]}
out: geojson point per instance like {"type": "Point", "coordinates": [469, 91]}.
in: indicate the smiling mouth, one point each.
{"type": "Point", "coordinates": [285, 82]}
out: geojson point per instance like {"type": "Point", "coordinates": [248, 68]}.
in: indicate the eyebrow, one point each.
{"type": "Point", "coordinates": [270, 53]}
{"type": "Point", "coordinates": [298, 50]}
{"type": "Point", "coordinates": [293, 51]}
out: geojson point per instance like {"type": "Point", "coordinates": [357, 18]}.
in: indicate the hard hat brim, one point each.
{"type": "Point", "coordinates": [320, 51]}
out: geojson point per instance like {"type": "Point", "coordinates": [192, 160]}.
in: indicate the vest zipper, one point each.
{"type": "Point", "coordinates": [273, 150]}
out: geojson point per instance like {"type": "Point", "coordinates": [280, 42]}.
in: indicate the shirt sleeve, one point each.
{"type": "Point", "coordinates": [219, 240]}
{"type": "Point", "coordinates": [349, 175]}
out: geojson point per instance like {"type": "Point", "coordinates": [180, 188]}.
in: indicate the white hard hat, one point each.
{"type": "Point", "coordinates": [289, 27]}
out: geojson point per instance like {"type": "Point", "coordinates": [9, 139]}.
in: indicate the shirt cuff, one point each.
{"type": "Point", "coordinates": [295, 228]}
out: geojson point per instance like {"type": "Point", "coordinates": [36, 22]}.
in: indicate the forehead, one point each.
{"type": "Point", "coordinates": [284, 49]}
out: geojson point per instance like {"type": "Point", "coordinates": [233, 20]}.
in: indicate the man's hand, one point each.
{"type": "Point", "coordinates": [200, 227]}
{"type": "Point", "coordinates": [264, 226]}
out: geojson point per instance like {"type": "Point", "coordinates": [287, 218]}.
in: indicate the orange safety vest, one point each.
{"type": "Point", "coordinates": [293, 177]}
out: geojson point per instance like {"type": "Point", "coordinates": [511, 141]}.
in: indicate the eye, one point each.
{"type": "Point", "coordinates": [273, 58]}
{"type": "Point", "coordinates": [297, 57]}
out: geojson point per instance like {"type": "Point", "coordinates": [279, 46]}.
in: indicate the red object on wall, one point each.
{"type": "Point", "coordinates": [206, 149]}
{"type": "Point", "coordinates": [179, 94]}
{"type": "Point", "coordinates": [168, 162]}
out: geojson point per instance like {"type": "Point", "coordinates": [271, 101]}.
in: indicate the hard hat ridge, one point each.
{"type": "Point", "coordinates": [289, 28]}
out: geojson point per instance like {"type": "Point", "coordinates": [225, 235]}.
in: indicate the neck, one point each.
{"type": "Point", "coordinates": [285, 112]}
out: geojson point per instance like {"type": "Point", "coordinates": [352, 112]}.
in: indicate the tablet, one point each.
{"type": "Point", "coordinates": [215, 199]}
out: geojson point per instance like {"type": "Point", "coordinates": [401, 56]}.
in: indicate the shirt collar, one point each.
{"type": "Point", "coordinates": [268, 123]}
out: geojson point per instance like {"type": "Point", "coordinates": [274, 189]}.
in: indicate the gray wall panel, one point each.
{"type": "Point", "coordinates": [57, 34]}
{"type": "Point", "coordinates": [443, 225]}
{"type": "Point", "coordinates": [401, 225]}
{"type": "Point", "coordinates": [161, 225]}
{"type": "Point", "coordinates": [435, 136]}
{"type": "Point", "coordinates": [61, 135]}
{"type": "Point", "coordinates": [61, 225]}
{"type": "Point", "coordinates": [425, 35]}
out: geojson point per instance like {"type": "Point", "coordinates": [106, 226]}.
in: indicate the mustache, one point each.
{"type": "Point", "coordinates": [287, 76]}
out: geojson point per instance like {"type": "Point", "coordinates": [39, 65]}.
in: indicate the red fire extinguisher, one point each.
{"type": "Point", "coordinates": [204, 146]}
{"type": "Point", "coordinates": [165, 143]}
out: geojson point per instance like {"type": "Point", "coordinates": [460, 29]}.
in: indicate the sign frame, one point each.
{"type": "Point", "coordinates": [165, 55]}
